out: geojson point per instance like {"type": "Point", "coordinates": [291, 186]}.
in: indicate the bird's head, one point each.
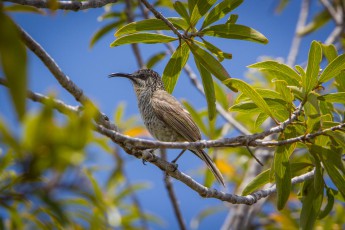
{"type": "Point", "coordinates": [143, 80]}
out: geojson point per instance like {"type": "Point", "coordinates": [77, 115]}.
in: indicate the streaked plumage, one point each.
{"type": "Point", "coordinates": [164, 116]}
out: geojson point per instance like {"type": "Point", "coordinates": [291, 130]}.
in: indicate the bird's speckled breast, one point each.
{"type": "Point", "coordinates": [156, 127]}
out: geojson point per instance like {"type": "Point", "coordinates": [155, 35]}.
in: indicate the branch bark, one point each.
{"type": "Point", "coordinates": [65, 5]}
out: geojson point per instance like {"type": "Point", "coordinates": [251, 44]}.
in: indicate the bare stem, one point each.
{"type": "Point", "coordinates": [160, 16]}
{"type": "Point", "coordinates": [172, 196]}
{"type": "Point", "coordinates": [303, 15]}
{"type": "Point", "coordinates": [65, 5]}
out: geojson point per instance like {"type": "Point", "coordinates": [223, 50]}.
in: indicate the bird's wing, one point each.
{"type": "Point", "coordinates": [169, 110]}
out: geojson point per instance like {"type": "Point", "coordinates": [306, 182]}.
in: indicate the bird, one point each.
{"type": "Point", "coordinates": [164, 116]}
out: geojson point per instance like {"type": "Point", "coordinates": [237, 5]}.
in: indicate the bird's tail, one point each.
{"type": "Point", "coordinates": [207, 159]}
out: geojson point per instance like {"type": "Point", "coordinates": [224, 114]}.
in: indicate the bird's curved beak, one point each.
{"type": "Point", "coordinates": [126, 75]}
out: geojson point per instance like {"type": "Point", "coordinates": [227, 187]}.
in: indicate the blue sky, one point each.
{"type": "Point", "coordinates": [66, 37]}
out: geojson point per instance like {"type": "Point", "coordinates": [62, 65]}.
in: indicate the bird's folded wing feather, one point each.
{"type": "Point", "coordinates": [169, 110]}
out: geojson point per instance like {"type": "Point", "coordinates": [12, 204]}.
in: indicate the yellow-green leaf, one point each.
{"type": "Point", "coordinates": [175, 65]}
{"type": "Point", "coordinates": [333, 69]}
{"type": "Point", "coordinates": [13, 60]}
{"type": "Point", "coordinates": [251, 93]}
{"type": "Point", "coordinates": [200, 9]}
{"type": "Point", "coordinates": [149, 25]}
{"type": "Point", "coordinates": [285, 72]}
{"type": "Point", "coordinates": [148, 38]}
{"type": "Point", "coordinates": [314, 59]}
{"type": "Point", "coordinates": [220, 10]}
{"type": "Point", "coordinates": [209, 89]}
{"type": "Point", "coordinates": [210, 63]}
{"type": "Point", "coordinates": [235, 31]}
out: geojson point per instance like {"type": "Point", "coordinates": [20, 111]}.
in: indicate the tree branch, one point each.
{"type": "Point", "coordinates": [160, 16]}
{"type": "Point", "coordinates": [65, 5]}
{"type": "Point", "coordinates": [169, 187]}
{"type": "Point", "coordinates": [168, 167]}
{"type": "Point", "coordinates": [296, 41]}
{"type": "Point", "coordinates": [61, 77]}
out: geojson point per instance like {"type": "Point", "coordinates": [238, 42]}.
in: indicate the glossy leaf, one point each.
{"type": "Point", "coordinates": [282, 174]}
{"type": "Point", "coordinates": [333, 97]}
{"type": "Point", "coordinates": [333, 69]}
{"type": "Point", "coordinates": [181, 10]}
{"type": "Point", "coordinates": [221, 95]}
{"type": "Point", "coordinates": [252, 94]}
{"type": "Point", "coordinates": [215, 50]}
{"type": "Point", "coordinates": [235, 31]}
{"type": "Point", "coordinates": [155, 59]}
{"type": "Point", "coordinates": [209, 90]}
{"type": "Point", "coordinates": [311, 205]}
{"type": "Point", "coordinates": [259, 181]}
{"type": "Point", "coordinates": [147, 38]}
{"type": "Point", "coordinates": [284, 91]}
{"type": "Point", "coordinates": [150, 24]}
{"type": "Point", "coordinates": [103, 31]}
{"type": "Point", "coordinates": [285, 72]}
{"type": "Point", "coordinates": [314, 59]}
{"type": "Point", "coordinates": [261, 118]}
{"type": "Point", "coordinates": [210, 63]}
{"type": "Point", "coordinates": [13, 60]}
{"type": "Point", "coordinates": [200, 9]}
{"type": "Point", "coordinates": [329, 206]}
{"type": "Point", "coordinates": [330, 52]}
{"type": "Point", "coordinates": [173, 68]}
{"type": "Point", "coordinates": [219, 11]}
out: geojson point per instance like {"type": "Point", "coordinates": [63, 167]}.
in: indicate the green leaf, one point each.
{"type": "Point", "coordinates": [235, 31]}
{"type": "Point", "coordinates": [286, 73]}
{"type": "Point", "coordinates": [330, 162]}
{"type": "Point", "coordinates": [333, 97]}
{"type": "Point", "coordinates": [265, 93]}
{"type": "Point", "coordinates": [155, 59]}
{"type": "Point", "coordinates": [330, 52]}
{"type": "Point", "coordinates": [14, 62]}
{"type": "Point", "coordinates": [209, 89]}
{"type": "Point", "coordinates": [150, 24]}
{"type": "Point", "coordinates": [284, 91]}
{"type": "Point", "coordinates": [200, 9]}
{"type": "Point", "coordinates": [221, 95]}
{"type": "Point", "coordinates": [210, 63]}
{"type": "Point", "coordinates": [259, 181]}
{"type": "Point", "coordinates": [314, 59]}
{"type": "Point", "coordinates": [215, 50]}
{"type": "Point", "coordinates": [23, 8]}
{"type": "Point", "coordinates": [232, 19]}
{"type": "Point", "coordinates": [318, 21]}
{"type": "Point", "coordinates": [311, 205]}
{"type": "Point", "coordinates": [261, 118]}
{"type": "Point", "coordinates": [329, 206]}
{"type": "Point", "coordinates": [333, 69]}
{"type": "Point", "coordinates": [251, 93]}
{"type": "Point", "coordinates": [282, 174]}
{"type": "Point", "coordinates": [175, 65]}
{"type": "Point", "coordinates": [147, 38]}
{"type": "Point", "coordinates": [181, 10]}
{"type": "Point", "coordinates": [104, 30]}
{"type": "Point", "coordinates": [219, 11]}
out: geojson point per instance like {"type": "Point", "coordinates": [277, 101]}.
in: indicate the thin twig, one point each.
{"type": "Point", "coordinates": [65, 5]}
{"type": "Point", "coordinates": [160, 16]}
{"type": "Point", "coordinates": [62, 78]}
{"type": "Point", "coordinates": [303, 15]}
{"type": "Point", "coordinates": [135, 46]}
{"type": "Point", "coordinates": [332, 11]}
{"type": "Point", "coordinates": [172, 196]}
{"type": "Point", "coordinates": [171, 170]}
